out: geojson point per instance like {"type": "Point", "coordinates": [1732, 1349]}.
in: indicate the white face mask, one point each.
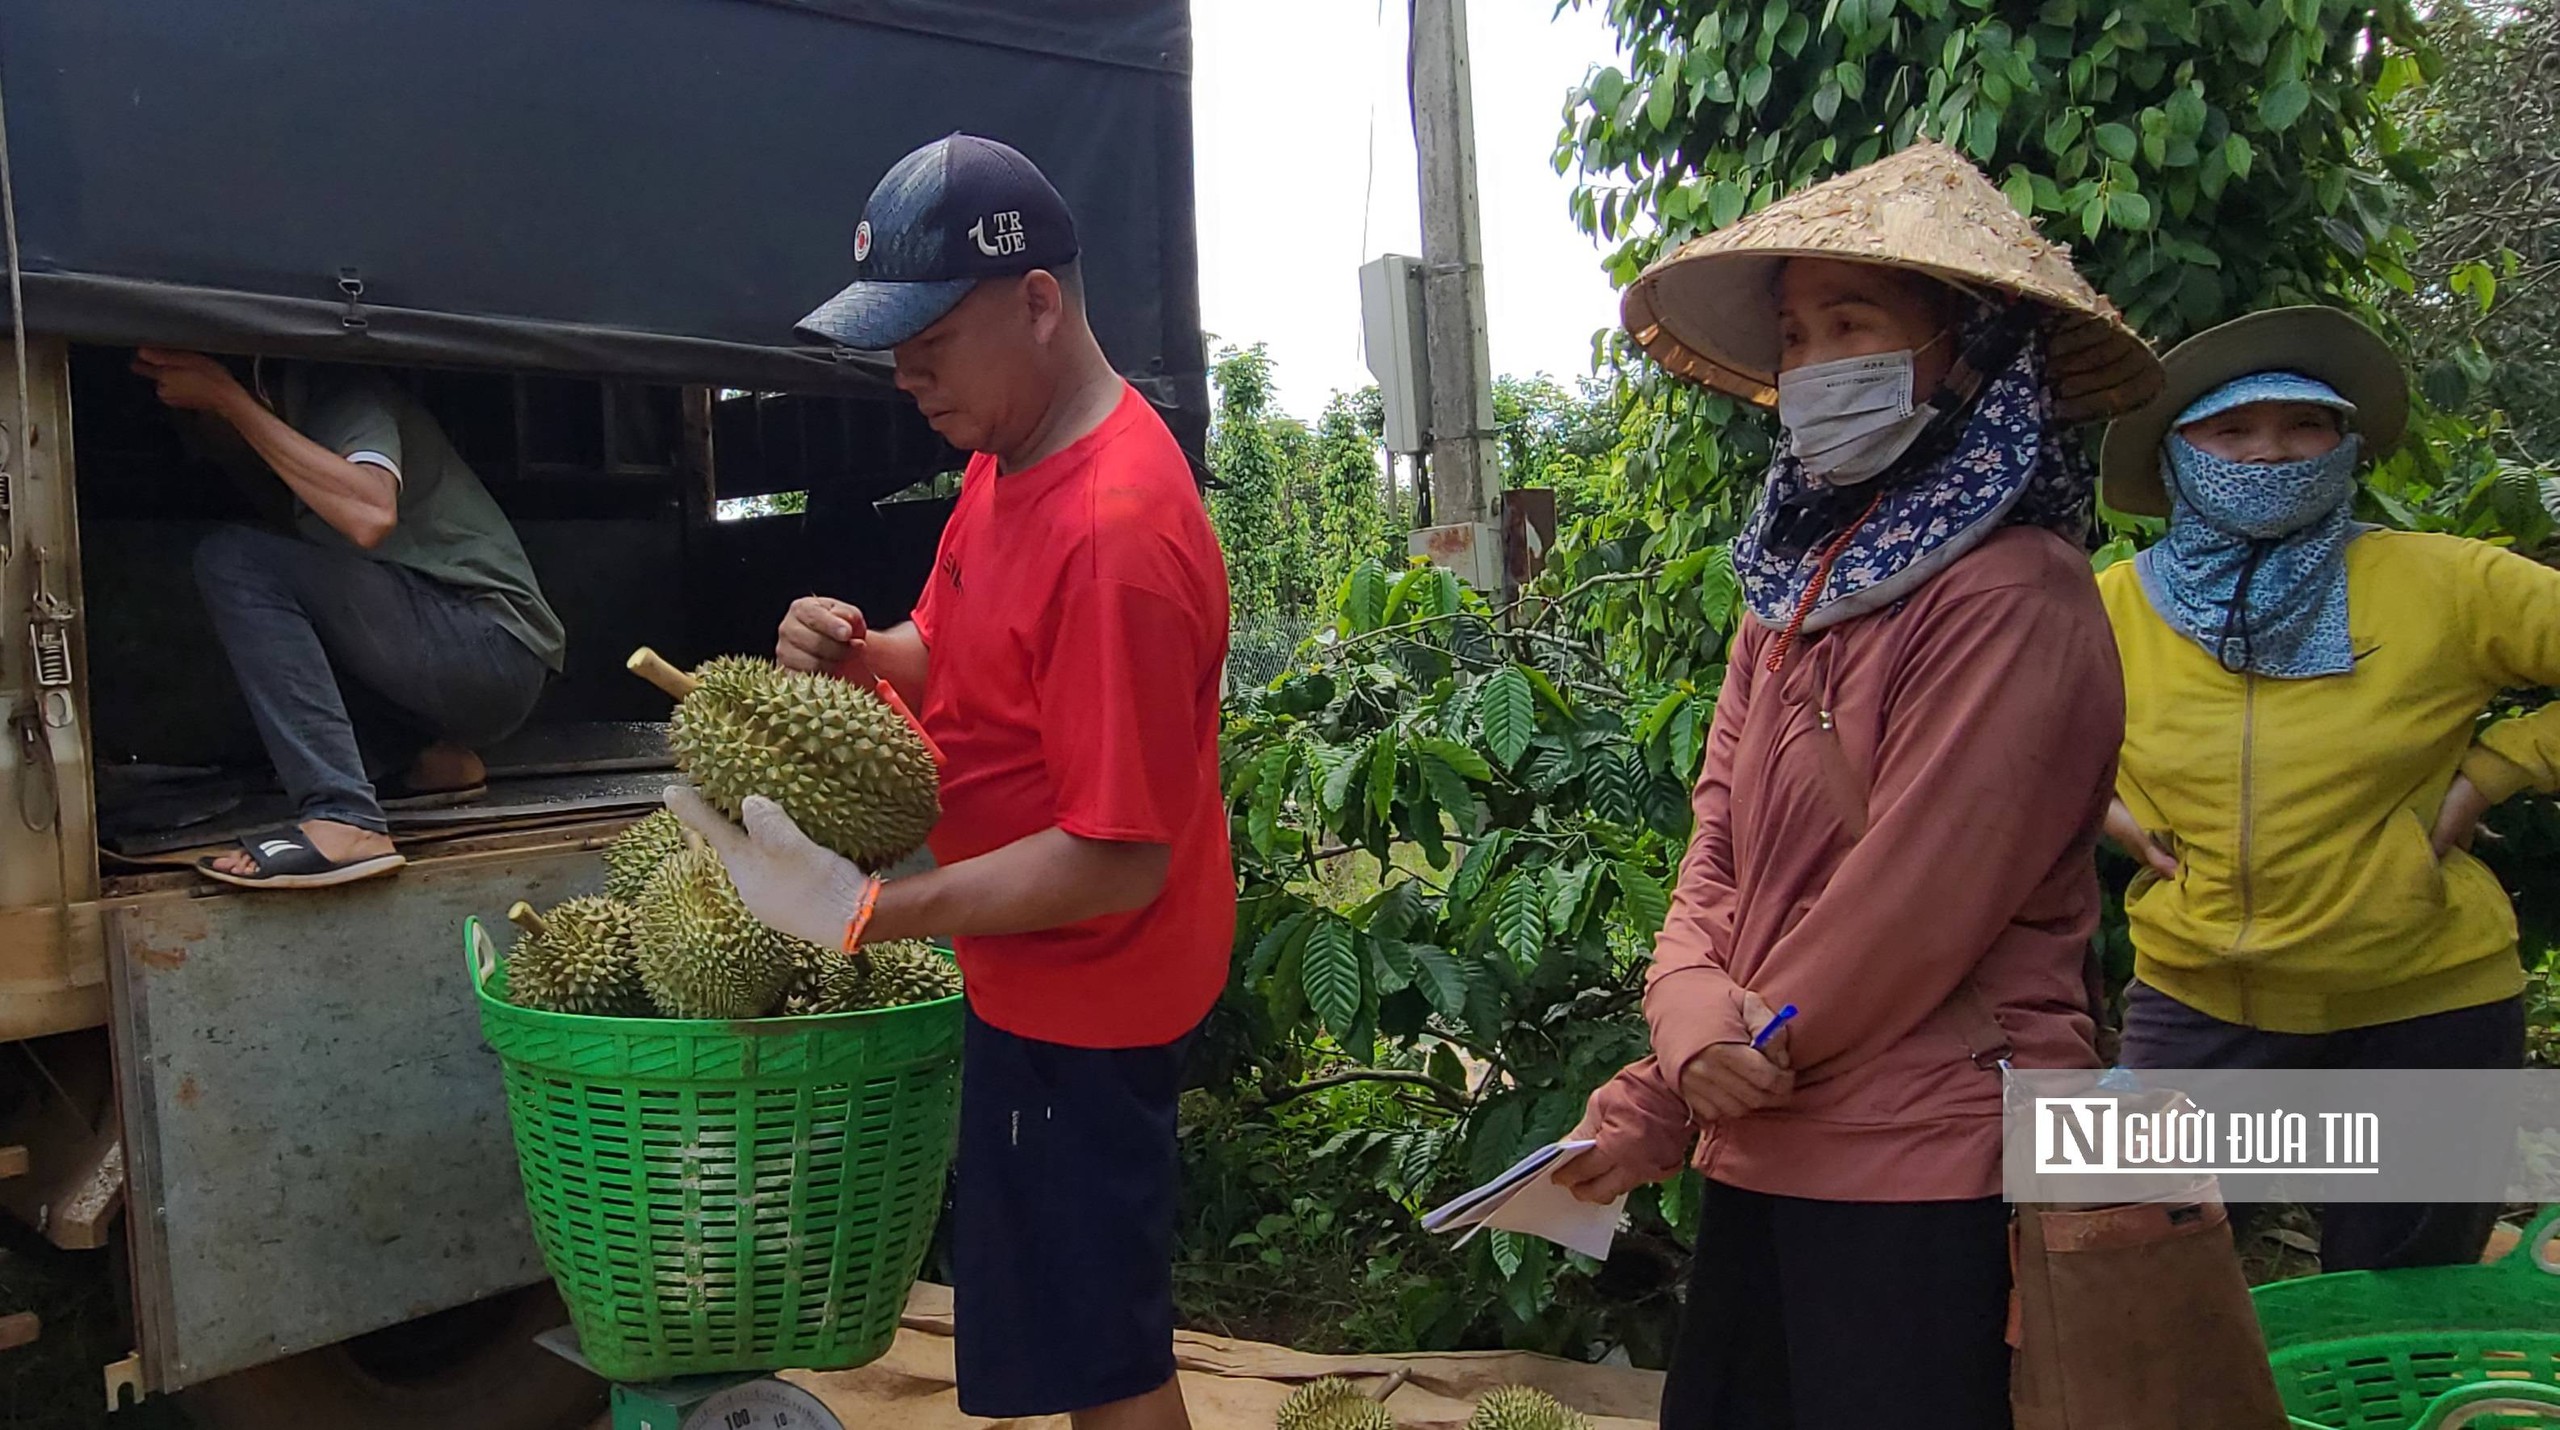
{"type": "Point", "coordinates": [1848, 419]}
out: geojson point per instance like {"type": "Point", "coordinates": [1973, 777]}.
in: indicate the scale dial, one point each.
{"type": "Point", "coordinates": [762, 1405]}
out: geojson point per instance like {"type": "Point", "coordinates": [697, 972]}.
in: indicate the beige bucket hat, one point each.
{"type": "Point", "coordinates": [1709, 311]}
{"type": "Point", "coordinates": [2317, 342]}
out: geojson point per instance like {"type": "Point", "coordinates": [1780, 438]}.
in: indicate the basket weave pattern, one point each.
{"type": "Point", "coordinates": [2441, 1346]}
{"type": "Point", "coordinates": [2388, 1382]}
{"type": "Point", "coordinates": [730, 1196]}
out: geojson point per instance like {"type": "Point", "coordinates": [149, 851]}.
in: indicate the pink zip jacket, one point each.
{"type": "Point", "coordinates": [1894, 834]}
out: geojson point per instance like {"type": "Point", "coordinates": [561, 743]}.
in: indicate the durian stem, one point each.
{"type": "Point", "coordinates": [653, 668]}
{"type": "Point", "coordinates": [523, 917]}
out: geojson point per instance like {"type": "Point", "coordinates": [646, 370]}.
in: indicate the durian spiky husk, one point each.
{"type": "Point", "coordinates": [585, 960]}
{"type": "Point", "coordinates": [909, 971]}
{"type": "Point", "coordinates": [886, 975]}
{"type": "Point", "coordinates": [1520, 1407]}
{"type": "Point", "coordinates": [846, 767]}
{"type": "Point", "coordinates": [702, 954]}
{"type": "Point", "coordinates": [636, 853]}
{"type": "Point", "coordinates": [1331, 1404]}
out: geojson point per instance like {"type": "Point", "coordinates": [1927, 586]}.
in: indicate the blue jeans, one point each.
{"type": "Point", "coordinates": [310, 629]}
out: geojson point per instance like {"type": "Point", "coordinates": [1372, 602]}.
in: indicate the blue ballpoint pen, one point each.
{"type": "Point", "coordinates": [1770, 1029]}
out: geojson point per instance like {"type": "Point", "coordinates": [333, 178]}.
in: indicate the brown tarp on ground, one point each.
{"type": "Point", "coordinates": [1233, 1385]}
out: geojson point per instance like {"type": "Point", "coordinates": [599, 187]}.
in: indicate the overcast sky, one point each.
{"type": "Point", "coordinates": [1303, 133]}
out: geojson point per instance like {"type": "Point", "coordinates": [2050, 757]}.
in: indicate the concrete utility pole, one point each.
{"type": "Point", "coordinates": [1465, 476]}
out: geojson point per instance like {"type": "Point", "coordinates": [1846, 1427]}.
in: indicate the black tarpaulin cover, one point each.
{"type": "Point", "coordinates": [649, 187]}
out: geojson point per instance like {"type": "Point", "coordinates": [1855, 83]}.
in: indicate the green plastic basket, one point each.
{"type": "Point", "coordinates": [716, 1196]}
{"type": "Point", "coordinates": [2431, 1348]}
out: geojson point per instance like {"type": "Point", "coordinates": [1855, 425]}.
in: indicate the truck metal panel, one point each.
{"type": "Point", "coordinates": [304, 1168]}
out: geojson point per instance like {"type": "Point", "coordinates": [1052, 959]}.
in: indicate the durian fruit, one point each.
{"type": "Point", "coordinates": [823, 981]}
{"type": "Point", "coordinates": [582, 957]}
{"type": "Point", "coordinates": [907, 971]}
{"type": "Point", "coordinates": [1331, 1404]}
{"type": "Point", "coordinates": [702, 954]}
{"type": "Point", "coordinates": [847, 768]}
{"type": "Point", "coordinates": [636, 853]}
{"type": "Point", "coordinates": [886, 975]}
{"type": "Point", "coordinates": [1519, 1407]}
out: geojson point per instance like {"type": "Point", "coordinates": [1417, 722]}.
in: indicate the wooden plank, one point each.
{"type": "Point", "coordinates": [13, 1161]}
{"type": "Point", "coordinates": [83, 1215]}
{"type": "Point", "coordinates": [19, 1329]}
{"type": "Point", "coordinates": [66, 1134]}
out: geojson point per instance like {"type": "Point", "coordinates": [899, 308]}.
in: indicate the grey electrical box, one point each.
{"type": "Point", "coordinates": [1391, 320]}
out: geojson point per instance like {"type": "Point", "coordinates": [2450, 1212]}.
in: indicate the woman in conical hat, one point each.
{"type": "Point", "coordinates": [1911, 756]}
{"type": "Point", "coordinates": [2304, 760]}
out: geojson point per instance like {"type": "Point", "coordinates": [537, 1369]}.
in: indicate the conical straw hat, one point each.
{"type": "Point", "coordinates": [1709, 311]}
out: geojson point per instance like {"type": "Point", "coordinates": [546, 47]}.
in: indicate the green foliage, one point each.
{"type": "Point", "coordinates": [1294, 508]}
{"type": "Point", "coordinates": [2483, 317]}
{"type": "Point", "coordinates": [2465, 476]}
{"type": "Point", "coordinates": [1652, 556]}
{"type": "Point", "coordinates": [1556, 439]}
{"type": "Point", "coordinates": [1257, 456]}
{"type": "Point", "coordinates": [1521, 820]}
{"type": "Point", "coordinates": [1455, 827]}
{"type": "Point", "coordinates": [2202, 159]}
{"type": "Point", "coordinates": [1277, 1244]}
{"type": "Point", "coordinates": [1354, 519]}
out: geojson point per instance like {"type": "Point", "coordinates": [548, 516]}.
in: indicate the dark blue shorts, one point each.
{"type": "Point", "coordinates": [1062, 1223]}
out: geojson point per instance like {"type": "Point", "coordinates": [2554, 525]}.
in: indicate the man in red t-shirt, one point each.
{"type": "Point", "coordinates": [1066, 658]}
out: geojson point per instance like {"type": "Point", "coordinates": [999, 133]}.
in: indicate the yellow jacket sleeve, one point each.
{"type": "Point", "coordinates": [2512, 606]}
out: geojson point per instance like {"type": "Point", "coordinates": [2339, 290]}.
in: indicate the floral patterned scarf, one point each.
{"type": "Point", "coordinates": [2013, 465]}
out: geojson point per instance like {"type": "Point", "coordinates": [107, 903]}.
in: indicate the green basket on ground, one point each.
{"type": "Point", "coordinates": [716, 1196]}
{"type": "Point", "coordinates": [2431, 1348]}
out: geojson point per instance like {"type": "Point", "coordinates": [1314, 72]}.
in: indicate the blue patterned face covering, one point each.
{"type": "Point", "coordinates": [2254, 567]}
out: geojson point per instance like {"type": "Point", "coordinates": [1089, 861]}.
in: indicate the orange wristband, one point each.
{"type": "Point", "coordinates": [861, 919]}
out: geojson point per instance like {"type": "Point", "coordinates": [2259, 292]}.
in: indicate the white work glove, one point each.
{"type": "Point", "coordinates": [790, 881]}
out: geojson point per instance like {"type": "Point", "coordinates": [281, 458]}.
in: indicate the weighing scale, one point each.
{"type": "Point", "coordinates": [751, 1400]}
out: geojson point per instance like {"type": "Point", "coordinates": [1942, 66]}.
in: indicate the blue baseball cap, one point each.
{"type": "Point", "coordinates": [952, 214]}
{"type": "Point", "coordinates": [2263, 387]}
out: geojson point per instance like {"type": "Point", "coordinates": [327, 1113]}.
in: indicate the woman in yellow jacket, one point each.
{"type": "Point", "coordinates": [2303, 762]}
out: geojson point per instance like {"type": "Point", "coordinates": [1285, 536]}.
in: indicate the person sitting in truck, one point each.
{"type": "Point", "coordinates": [1066, 658]}
{"type": "Point", "coordinates": [401, 588]}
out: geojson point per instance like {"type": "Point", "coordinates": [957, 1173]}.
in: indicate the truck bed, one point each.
{"type": "Point", "coordinates": [552, 775]}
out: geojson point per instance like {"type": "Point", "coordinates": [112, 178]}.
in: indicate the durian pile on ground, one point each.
{"type": "Point", "coordinates": [844, 764]}
{"type": "Point", "coordinates": [1336, 1404]}
{"type": "Point", "coordinates": [670, 938]}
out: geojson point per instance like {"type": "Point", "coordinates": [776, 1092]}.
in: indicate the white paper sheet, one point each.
{"type": "Point", "coordinates": [1526, 1199]}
